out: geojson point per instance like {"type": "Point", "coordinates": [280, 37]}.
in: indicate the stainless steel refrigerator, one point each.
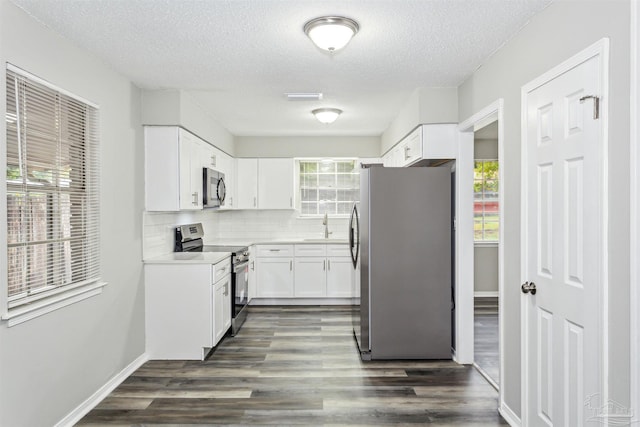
{"type": "Point", "coordinates": [400, 241]}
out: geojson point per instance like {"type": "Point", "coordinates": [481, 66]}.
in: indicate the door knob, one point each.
{"type": "Point", "coordinates": [528, 288]}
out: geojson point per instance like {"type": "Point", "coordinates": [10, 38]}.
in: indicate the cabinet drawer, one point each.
{"type": "Point", "coordinates": [338, 250]}
{"type": "Point", "coordinates": [275, 250]}
{"type": "Point", "coordinates": [311, 250]}
{"type": "Point", "coordinates": [221, 269]}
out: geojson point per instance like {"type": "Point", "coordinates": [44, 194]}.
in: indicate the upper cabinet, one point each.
{"type": "Point", "coordinates": [265, 184]}
{"type": "Point", "coordinates": [174, 159]}
{"type": "Point", "coordinates": [172, 162]}
{"type": "Point", "coordinates": [275, 184]}
{"type": "Point", "coordinates": [246, 184]}
{"type": "Point", "coordinates": [426, 142]}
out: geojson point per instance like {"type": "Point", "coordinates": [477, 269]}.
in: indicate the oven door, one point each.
{"type": "Point", "coordinates": [240, 287]}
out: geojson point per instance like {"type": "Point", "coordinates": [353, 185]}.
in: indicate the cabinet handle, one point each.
{"type": "Point", "coordinates": [328, 264]}
{"type": "Point", "coordinates": [255, 202]}
{"type": "Point", "coordinates": [324, 264]}
{"type": "Point", "coordinates": [213, 160]}
{"type": "Point", "coordinates": [290, 202]}
{"type": "Point", "coordinates": [195, 198]}
{"type": "Point", "coordinates": [226, 290]}
{"type": "Point", "coordinates": [274, 250]}
{"type": "Point", "coordinates": [406, 153]}
{"type": "Point", "coordinates": [253, 265]}
{"type": "Point", "coordinates": [290, 265]}
{"type": "Point", "coordinates": [230, 201]}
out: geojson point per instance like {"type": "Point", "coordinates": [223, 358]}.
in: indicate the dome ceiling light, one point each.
{"type": "Point", "coordinates": [331, 33]}
{"type": "Point", "coordinates": [326, 115]}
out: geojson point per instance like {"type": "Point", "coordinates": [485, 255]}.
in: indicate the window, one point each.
{"type": "Point", "coordinates": [328, 186]}
{"type": "Point", "coordinates": [485, 206]}
{"type": "Point", "coordinates": [52, 192]}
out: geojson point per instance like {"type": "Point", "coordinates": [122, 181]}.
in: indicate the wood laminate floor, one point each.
{"type": "Point", "coordinates": [298, 366]}
{"type": "Point", "coordinates": [486, 345]}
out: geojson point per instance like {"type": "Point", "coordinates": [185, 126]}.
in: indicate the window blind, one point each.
{"type": "Point", "coordinates": [52, 190]}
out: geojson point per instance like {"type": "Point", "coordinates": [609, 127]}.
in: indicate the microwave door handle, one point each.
{"type": "Point", "coordinates": [222, 190]}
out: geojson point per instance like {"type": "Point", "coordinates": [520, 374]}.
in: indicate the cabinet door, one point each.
{"type": "Point", "coordinates": [247, 183]}
{"type": "Point", "coordinates": [222, 308]}
{"type": "Point", "coordinates": [439, 141]}
{"type": "Point", "coordinates": [191, 150]}
{"type": "Point", "coordinates": [227, 166]}
{"type": "Point", "coordinates": [252, 274]}
{"type": "Point", "coordinates": [275, 277]}
{"type": "Point", "coordinates": [310, 277]}
{"type": "Point", "coordinates": [339, 277]}
{"type": "Point", "coordinates": [412, 147]}
{"type": "Point", "coordinates": [275, 184]}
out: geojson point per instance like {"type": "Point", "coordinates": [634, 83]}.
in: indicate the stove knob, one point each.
{"type": "Point", "coordinates": [245, 254]}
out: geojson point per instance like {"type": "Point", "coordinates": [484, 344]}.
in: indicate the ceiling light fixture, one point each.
{"type": "Point", "coordinates": [326, 115]}
{"type": "Point", "coordinates": [331, 32]}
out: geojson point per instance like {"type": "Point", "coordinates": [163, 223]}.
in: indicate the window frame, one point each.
{"type": "Point", "coordinates": [298, 185]}
{"type": "Point", "coordinates": [18, 308]}
{"type": "Point", "coordinates": [482, 200]}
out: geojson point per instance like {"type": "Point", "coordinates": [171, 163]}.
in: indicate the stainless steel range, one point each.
{"type": "Point", "coordinates": [188, 238]}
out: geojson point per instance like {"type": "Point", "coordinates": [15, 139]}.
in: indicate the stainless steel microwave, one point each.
{"type": "Point", "coordinates": [214, 191]}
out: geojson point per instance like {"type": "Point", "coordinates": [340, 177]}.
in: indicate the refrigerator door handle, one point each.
{"type": "Point", "coordinates": [354, 235]}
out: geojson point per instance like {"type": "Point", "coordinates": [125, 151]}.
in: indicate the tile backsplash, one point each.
{"type": "Point", "coordinates": [241, 225]}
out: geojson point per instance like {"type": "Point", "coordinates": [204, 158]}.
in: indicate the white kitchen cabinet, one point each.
{"type": "Point", "coordinates": [275, 277]}
{"type": "Point", "coordinates": [274, 271]}
{"type": "Point", "coordinates": [264, 184]}
{"type": "Point", "coordinates": [339, 279]}
{"type": "Point", "coordinates": [310, 277]}
{"type": "Point", "coordinates": [426, 142]}
{"type": "Point", "coordinates": [182, 309]}
{"type": "Point", "coordinates": [275, 184]}
{"type": "Point", "coordinates": [222, 308]}
{"type": "Point", "coordinates": [246, 184]}
{"type": "Point", "coordinates": [173, 171]}
{"type": "Point", "coordinates": [251, 291]}
{"type": "Point", "coordinates": [411, 147]}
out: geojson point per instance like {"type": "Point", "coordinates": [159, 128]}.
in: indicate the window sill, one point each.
{"type": "Point", "coordinates": [39, 308]}
{"type": "Point", "coordinates": [478, 244]}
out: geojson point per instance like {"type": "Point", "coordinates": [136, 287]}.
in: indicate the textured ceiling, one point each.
{"type": "Point", "coordinates": [237, 58]}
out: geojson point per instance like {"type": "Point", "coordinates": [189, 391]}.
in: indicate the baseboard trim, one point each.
{"type": "Point", "coordinates": [302, 301]}
{"type": "Point", "coordinates": [509, 416]}
{"type": "Point", "coordinates": [83, 409]}
{"type": "Point", "coordinates": [485, 294]}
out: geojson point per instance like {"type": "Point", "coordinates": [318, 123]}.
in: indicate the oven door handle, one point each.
{"type": "Point", "coordinates": [238, 267]}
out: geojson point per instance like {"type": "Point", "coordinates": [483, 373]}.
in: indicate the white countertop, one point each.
{"type": "Point", "coordinates": [272, 241]}
{"type": "Point", "coordinates": [188, 258]}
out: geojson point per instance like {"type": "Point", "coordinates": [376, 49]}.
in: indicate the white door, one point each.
{"type": "Point", "coordinates": [563, 245]}
{"type": "Point", "coordinates": [247, 183]}
{"type": "Point", "coordinates": [275, 183]}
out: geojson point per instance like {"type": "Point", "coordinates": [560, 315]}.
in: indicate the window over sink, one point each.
{"type": "Point", "coordinates": [328, 186]}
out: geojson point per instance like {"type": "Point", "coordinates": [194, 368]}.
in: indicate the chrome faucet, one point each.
{"type": "Point", "coordinates": [325, 222]}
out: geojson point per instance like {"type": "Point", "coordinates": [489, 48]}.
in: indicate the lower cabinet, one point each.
{"type": "Point", "coordinates": [304, 271]}
{"type": "Point", "coordinates": [222, 308]}
{"type": "Point", "coordinates": [186, 312]}
{"type": "Point", "coordinates": [274, 277]}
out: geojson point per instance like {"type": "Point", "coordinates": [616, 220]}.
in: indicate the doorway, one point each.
{"type": "Point", "coordinates": [491, 117]}
{"type": "Point", "coordinates": [486, 187]}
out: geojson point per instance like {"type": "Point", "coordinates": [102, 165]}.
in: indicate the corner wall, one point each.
{"type": "Point", "coordinates": [551, 37]}
{"type": "Point", "coordinates": [51, 364]}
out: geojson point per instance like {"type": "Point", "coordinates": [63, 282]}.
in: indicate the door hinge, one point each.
{"type": "Point", "coordinates": [596, 105]}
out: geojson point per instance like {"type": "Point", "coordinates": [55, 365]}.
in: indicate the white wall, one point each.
{"type": "Point", "coordinates": [552, 36]}
{"type": "Point", "coordinates": [307, 146]}
{"type": "Point", "coordinates": [424, 106]}
{"type": "Point", "coordinates": [178, 108]}
{"type": "Point", "coordinates": [49, 365]}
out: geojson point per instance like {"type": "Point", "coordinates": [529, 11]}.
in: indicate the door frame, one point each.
{"type": "Point", "coordinates": [465, 239]}
{"type": "Point", "coordinates": [634, 148]}
{"type": "Point", "coordinates": [599, 50]}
